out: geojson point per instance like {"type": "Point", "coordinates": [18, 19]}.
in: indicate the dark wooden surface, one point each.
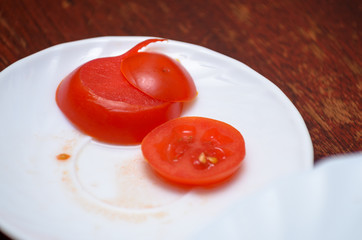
{"type": "Point", "coordinates": [310, 49]}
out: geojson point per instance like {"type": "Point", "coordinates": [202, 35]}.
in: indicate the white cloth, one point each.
{"type": "Point", "coordinates": [323, 203]}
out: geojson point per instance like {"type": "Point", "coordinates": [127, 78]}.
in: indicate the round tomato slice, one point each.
{"type": "Point", "coordinates": [100, 102]}
{"type": "Point", "coordinates": [194, 150]}
{"type": "Point", "coordinates": [159, 76]}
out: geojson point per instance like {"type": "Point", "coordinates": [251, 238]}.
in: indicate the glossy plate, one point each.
{"type": "Point", "coordinates": [109, 192]}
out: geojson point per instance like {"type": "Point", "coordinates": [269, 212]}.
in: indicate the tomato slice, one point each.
{"type": "Point", "coordinates": [100, 102]}
{"type": "Point", "coordinates": [159, 76]}
{"type": "Point", "coordinates": [194, 150]}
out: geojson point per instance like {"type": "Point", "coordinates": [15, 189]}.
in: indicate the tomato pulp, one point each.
{"type": "Point", "coordinates": [99, 100]}
{"type": "Point", "coordinates": [194, 150]}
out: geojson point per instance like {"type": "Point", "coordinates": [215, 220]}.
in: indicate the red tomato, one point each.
{"type": "Point", "coordinates": [159, 76]}
{"type": "Point", "coordinates": [99, 101]}
{"type": "Point", "coordinates": [194, 150]}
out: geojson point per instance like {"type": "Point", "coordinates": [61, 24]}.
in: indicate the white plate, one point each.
{"type": "Point", "coordinates": [109, 192]}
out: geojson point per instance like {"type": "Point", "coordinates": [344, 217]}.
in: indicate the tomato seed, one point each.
{"type": "Point", "coordinates": [202, 158]}
{"type": "Point", "coordinates": [213, 160]}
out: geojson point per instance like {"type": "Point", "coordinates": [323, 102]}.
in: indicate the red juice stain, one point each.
{"type": "Point", "coordinates": [63, 156]}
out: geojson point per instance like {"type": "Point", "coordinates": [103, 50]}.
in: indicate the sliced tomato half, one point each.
{"type": "Point", "coordinates": [100, 102]}
{"type": "Point", "coordinates": [194, 150]}
{"type": "Point", "coordinates": [159, 76]}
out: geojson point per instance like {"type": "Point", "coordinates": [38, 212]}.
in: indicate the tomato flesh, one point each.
{"type": "Point", "coordinates": [100, 102]}
{"type": "Point", "coordinates": [194, 150]}
{"type": "Point", "coordinates": [159, 76]}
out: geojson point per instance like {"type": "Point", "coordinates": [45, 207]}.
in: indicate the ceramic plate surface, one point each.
{"type": "Point", "coordinates": [109, 192]}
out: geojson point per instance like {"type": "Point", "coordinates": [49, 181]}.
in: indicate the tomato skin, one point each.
{"type": "Point", "coordinates": [100, 102]}
{"type": "Point", "coordinates": [174, 150]}
{"type": "Point", "coordinates": [140, 45]}
{"type": "Point", "coordinates": [159, 76]}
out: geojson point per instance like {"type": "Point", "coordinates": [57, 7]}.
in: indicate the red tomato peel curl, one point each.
{"type": "Point", "coordinates": [141, 45]}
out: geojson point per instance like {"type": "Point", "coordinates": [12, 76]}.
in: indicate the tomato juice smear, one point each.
{"type": "Point", "coordinates": [63, 156]}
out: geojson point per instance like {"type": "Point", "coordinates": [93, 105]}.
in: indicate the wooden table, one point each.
{"type": "Point", "coordinates": [310, 49]}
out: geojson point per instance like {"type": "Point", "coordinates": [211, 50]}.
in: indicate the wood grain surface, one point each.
{"type": "Point", "coordinates": [310, 49]}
